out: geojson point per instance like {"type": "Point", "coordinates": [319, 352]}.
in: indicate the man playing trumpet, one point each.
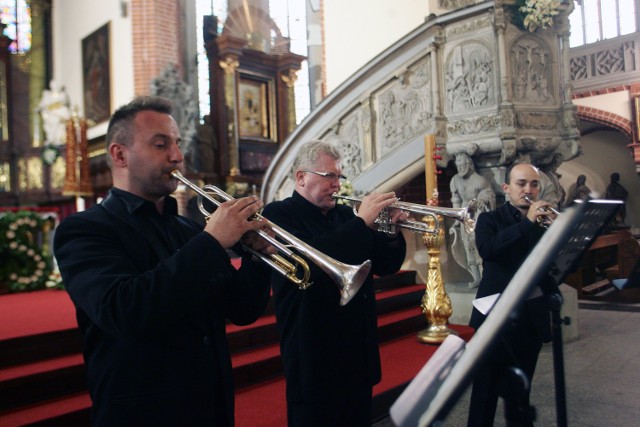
{"type": "Point", "coordinates": [152, 289]}
{"type": "Point", "coordinates": [330, 352]}
{"type": "Point", "coordinates": [504, 238]}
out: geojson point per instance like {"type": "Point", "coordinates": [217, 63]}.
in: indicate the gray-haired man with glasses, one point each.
{"type": "Point", "coordinates": [330, 353]}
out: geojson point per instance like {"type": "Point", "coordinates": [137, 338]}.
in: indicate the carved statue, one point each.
{"type": "Point", "coordinates": [579, 190]}
{"type": "Point", "coordinates": [615, 191]}
{"type": "Point", "coordinates": [551, 190]}
{"type": "Point", "coordinates": [465, 186]}
{"type": "Point", "coordinates": [55, 111]}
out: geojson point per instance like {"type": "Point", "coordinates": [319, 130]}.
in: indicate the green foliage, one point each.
{"type": "Point", "coordinates": [23, 266]}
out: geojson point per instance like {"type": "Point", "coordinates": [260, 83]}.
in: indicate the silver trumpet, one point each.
{"type": "Point", "coordinates": [465, 215]}
{"type": "Point", "coordinates": [349, 278]}
{"type": "Point", "coordinates": [542, 220]}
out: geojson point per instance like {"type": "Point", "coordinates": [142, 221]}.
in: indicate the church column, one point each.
{"type": "Point", "coordinates": [436, 77]}
{"type": "Point", "coordinates": [289, 78]}
{"type": "Point", "coordinates": [229, 65]}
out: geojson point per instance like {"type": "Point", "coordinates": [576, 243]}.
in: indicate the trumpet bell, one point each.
{"type": "Point", "coordinates": [351, 280]}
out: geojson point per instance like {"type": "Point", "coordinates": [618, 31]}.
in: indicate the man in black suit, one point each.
{"type": "Point", "coordinates": [504, 238]}
{"type": "Point", "coordinates": [330, 353]}
{"type": "Point", "coordinates": [152, 289]}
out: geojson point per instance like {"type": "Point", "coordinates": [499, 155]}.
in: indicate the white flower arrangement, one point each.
{"type": "Point", "coordinates": [23, 266]}
{"type": "Point", "coordinates": [539, 13]}
{"type": "Point", "coordinates": [346, 189]}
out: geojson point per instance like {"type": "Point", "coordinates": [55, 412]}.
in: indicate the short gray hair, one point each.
{"type": "Point", "coordinates": [310, 151]}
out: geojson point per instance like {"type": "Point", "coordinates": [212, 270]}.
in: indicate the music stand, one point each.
{"type": "Point", "coordinates": [565, 242]}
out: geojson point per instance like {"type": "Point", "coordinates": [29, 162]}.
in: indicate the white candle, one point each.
{"type": "Point", "coordinates": [430, 165]}
{"type": "Point", "coordinates": [80, 206]}
{"type": "Point", "coordinates": [36, 128]}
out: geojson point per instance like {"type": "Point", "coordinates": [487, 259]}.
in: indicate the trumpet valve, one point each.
{"type": "Point", "coordinates": [384, 222]}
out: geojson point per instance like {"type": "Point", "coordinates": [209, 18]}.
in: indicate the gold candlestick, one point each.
{"type": "Point", "coordinates": [436, 304]}
{"type": "Point", "coordinates": [85, 187]}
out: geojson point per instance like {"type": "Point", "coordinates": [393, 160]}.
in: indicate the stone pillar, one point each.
{"type": "Point", "coordinates": [289, 78]}
{"type": "Point", "coordinates": [229, 65]}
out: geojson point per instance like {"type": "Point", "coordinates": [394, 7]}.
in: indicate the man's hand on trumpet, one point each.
{"type": "Point", "coordinates": [374, 203]}
{"type": "Point", "coordinates": [541, 212]}
{"type": "Point", "coordinates": [253, 240]}
{"type": "Point", "coordinates": [231, 220]}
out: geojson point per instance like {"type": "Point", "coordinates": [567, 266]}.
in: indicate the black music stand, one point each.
{"type": "Point", "coordinates": [557, 253]}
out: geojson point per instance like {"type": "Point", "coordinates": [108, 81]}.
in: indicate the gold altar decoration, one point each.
{"type": "Point", "coordinates": [77, 179]}
{"type": "Point", "coordinates": [436, 304]}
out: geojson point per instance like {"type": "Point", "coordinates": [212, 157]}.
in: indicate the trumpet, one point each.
{"type": "Point", "coordinates": [465, 215]}
{"type": "Point", "coordinates": [544, 221]}
{"type": "Point", "coordinates": [290, 264]}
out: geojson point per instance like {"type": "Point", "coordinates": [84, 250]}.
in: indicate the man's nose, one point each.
{"type": "Point", "coordinates": [175, 154]}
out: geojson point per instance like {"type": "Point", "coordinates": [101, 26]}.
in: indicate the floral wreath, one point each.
{"type": "Point", "coordinates": [23, 266]}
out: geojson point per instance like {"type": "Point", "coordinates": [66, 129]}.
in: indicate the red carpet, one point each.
{"type": "Point", "coordinates": [42, 313]}
{"type": "Point", "coordinates": [30, 313]}
{"type": "Point", "coordinates": [262, 405]}
{"type": "Point", "coordinates": [22, 314]}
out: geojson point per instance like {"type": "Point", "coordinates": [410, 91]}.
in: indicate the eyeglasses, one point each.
{"type": "Point", "coordinates": [329, 175]}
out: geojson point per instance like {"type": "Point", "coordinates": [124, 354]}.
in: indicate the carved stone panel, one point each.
{"type": "Point", "coordinates": [531, 71]}
{"type": "Point", "coordinates": [470, 77]}
{"type": "Point", "coordinates": [404, 108]}
{"type": "Point", "coordinates": [349, 136]}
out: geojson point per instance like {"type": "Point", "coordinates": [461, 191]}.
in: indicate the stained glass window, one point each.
{"type": "Point", "coordinates": [16, 15]}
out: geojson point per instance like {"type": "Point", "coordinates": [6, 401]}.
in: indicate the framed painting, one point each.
{"type": "Point", "coordinates": [255, 108]}
{"type": "Point", "coordinates": [96, 75]}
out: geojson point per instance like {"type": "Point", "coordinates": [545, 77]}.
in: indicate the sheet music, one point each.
{"type": "Point", "coordinates": [408, 408]}
{"type": "Point", "coordinates": [558, 251]}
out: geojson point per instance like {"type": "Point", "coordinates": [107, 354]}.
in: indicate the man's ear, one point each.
{"type": "Point", "coordinates": [300, 178]}
{"type": "Point", "coordinates": [505, 187]}
{"type": "Point", "coordinates": [118, 155]}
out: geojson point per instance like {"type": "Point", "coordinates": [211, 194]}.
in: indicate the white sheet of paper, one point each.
{"type": "Point", "coordinates": [484, 304]}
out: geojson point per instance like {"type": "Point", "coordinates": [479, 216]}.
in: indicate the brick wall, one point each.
{"type": "Point", "coordinates": [156, 38]}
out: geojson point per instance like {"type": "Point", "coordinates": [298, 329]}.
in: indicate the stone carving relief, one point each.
{"type": "Point", "coordinates": [507, 119]}
{"type": "Point", "coordinates": [348, 138]}
{"type": "Point", "coordinates": [470, 77]}
{"type": "Point", "coordinates": [456, 4]}
{"type": "Point", "coordinates": [537, 120]}
{"type": "Point", "coordinates": [509, 151]}
{"type": "Point", "coordinates": [531, 71]}
{"type": "Point", "coordinates": [474, 126]}
{"type": "Point", "coordinates": [404, 108]}
{"type": "Point", "coordinates": [469, 26]}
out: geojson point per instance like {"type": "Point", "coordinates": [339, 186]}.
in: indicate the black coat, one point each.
{"type": "Point", "coordinates": [504, 240]}
{"type": "Point", "coordinates": [153, 319]}
{"type": "Point", "coordinates": [327, 349]}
